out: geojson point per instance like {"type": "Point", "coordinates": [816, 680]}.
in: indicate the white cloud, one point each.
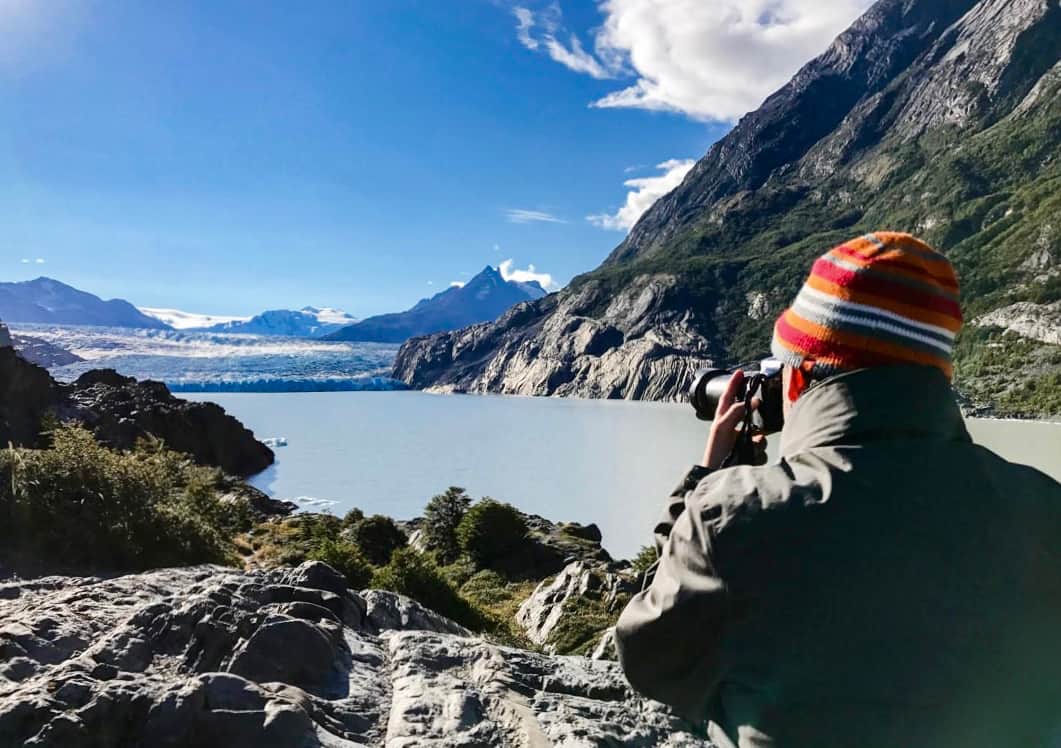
{"type": "Point", "coordinates": [708, 60]}
{"type": "Point", "coordinates": [644, 191]}
{"type": "Point", "coordinates": [540, 31]}
{"type": "Point", "coordinates": [519, 215]}
{"type": "Point", "coordinates": [33, 261]}
{"type": "Point", "coordinates": [524, 24]}
{"type": "Point", "coordinates": [510, 273]}
{"type": "Point", "coordinates": [430, 283]}
{"type": "Point", "coordinates": [456, 284]}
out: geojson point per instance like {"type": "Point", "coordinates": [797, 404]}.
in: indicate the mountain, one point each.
{"type": "Point", "coordinates": [47, 301]}
{"type": "Point", "coordinates": [481, 299]}
{"type": "Point", "coordinates": [938, 117]}
{"type": "Point", "coordinates": [181, 320]}
{"type": "Point", "coordinates": [308, 322]}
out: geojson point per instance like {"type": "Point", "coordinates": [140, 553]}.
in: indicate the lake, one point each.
{"type": "Point", "coordinates": [604, 461]}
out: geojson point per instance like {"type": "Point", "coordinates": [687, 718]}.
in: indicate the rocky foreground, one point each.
{"type": "Point", "coordinates": [206, 656]}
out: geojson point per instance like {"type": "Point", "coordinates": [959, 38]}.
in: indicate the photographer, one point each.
{"type": "Point", "coordinates": [887, 582]}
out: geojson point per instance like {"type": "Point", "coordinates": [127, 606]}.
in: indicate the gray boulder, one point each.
{"type": "Point", "coordinates": [210, 656]}
{"type": "Point", "coordinates": [580, 585]}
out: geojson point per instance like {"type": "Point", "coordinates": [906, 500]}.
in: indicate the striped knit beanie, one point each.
{"type": "Point", "coordinates": [884, 298]}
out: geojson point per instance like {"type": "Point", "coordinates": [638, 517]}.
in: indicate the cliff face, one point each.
{"type": "Point", "coordinates": [938, 117]}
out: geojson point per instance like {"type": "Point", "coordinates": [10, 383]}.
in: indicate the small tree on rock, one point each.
{"type": "Point", "coordinates": [442, 515]}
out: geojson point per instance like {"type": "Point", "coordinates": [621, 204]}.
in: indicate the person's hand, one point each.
{"type": "Point", "coordinates": [725, 428]}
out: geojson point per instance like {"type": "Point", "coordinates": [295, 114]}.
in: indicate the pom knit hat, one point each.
{"type": "Point", "coordinates": [884, 298]}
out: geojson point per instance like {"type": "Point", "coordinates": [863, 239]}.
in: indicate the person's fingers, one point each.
{"type": "Point", "coordinates": [729, 395]}
{"type": "Point", "coordinates": [756, 402]}
{"type": "Point", "coordinates": [731, 417]}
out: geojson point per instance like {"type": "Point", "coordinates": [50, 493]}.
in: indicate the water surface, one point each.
{"type": "Point", "coordinates": [608, 462]}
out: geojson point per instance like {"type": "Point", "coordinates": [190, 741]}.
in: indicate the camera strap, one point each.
{"type": "Point", "coordinates": [743, 452]}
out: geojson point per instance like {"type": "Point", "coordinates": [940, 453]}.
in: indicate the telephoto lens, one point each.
{"type": "Point", "coordinates": [709, 385]}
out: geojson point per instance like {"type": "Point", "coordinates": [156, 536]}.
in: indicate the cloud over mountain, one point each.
{"type": "Point", "coordinates": [708, 60]}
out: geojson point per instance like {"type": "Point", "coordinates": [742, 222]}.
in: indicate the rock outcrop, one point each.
{"type": "Point", "coordinates": [43, 353]}
{"type": "Point", "coordinates": [208, 656]}
{"type": "Point", "coordinates": [580, 586]}
{"type": "Point", "coordinates": [1036, 321]}
{"type": "Point", "coordinates": [119, 411]}
{"type": "Point", "coordinates": [938, 117]}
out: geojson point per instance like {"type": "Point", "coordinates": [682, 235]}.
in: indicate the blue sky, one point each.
{"type": "Point", "coordinates": [228, 157]}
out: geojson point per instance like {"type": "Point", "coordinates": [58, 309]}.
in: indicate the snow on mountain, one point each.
{"type": "Point", "coordinates": [330, 316]}
{"type": "Point", "coordinates": [181, 320]}
{"type": "Point", "coordinates": [308, 322]}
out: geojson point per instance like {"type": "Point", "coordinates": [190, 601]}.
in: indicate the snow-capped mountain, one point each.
{"type": "Point", "coordinates": [308, 322]}
{"type": "Point", "coordinates": [181, 320]}
{"type": "Point", "coordinates": [482, 299]}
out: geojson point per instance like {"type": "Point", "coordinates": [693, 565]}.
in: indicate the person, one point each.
{"type": "Point", "coordinates": [887, 582]}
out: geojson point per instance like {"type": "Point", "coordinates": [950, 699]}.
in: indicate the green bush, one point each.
{"type": "Point", "coordinates": [415, 575]}
{"type": "Point", "coordinates": [352, 517]}
{"type": "Point", "coordinates": [79, 503]}
{"type": "Point", "coordinates": [644, 559]}
{"type": "Point", "coordinates": [442, 515]}
{"type": "Point", "coordinates": [345, 558]}
{"type": "Point", "coordinates": [491, 530]}
{"type": "Point", "coordinates": [378, 537]}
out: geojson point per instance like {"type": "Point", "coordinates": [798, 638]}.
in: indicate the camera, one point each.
{"type": "Point", "coordinates": [762, 379]}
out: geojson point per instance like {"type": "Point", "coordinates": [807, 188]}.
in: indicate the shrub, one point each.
{"type": "Point", "coordinates": [378, 537]}
{"type": "Point", "coordinates": [83, 504]}
{"type": "Point", "coordinates": [415, 575]}
{"type": "Point", "coordinates": [442, 515]}
{"type": "Point", "coordinates": [345, 558]}
{"type": "Point", "coordinates": [352, 517]}
{"type": "Point", "coordinates": [644, 559]}
{"type": "Point", "coordinates": [491, 530]}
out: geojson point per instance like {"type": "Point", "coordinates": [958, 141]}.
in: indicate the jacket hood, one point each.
{"type": "Point", "coordinates": [865, 405]}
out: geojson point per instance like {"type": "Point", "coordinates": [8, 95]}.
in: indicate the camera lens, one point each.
{"type": "Point", "coordinates": [707, 389]}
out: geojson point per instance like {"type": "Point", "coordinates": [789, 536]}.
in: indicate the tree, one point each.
{"type": "Point", "coordinates": [491, 530]}
{"type": "Point", "coordinates": [442, 515]}
{"type": "Point", "coordinates": [378, 537]}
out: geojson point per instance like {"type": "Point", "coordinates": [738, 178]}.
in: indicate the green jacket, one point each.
{"type": "Point", "coordinates": [887, 583]}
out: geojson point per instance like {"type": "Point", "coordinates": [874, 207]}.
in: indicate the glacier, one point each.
{"type": "Point", "coordinates": [222, 362]}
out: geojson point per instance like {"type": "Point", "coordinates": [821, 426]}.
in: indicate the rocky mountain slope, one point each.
{"type": "Point", "coordinates": [213, 656]}
{"type": "Point", "coordinates": [119, 411]}
{"type": "Point", "coordinates": [481, 299]}
{"type": "Point", "coordinates": [939, 117]}
{"type": "Point", "coordinates": [47, 301]}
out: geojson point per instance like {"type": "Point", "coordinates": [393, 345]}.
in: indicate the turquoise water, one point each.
{"type": "Point", "coordinates": [608, 462]}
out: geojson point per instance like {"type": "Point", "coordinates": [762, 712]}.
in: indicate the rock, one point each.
{"type": "Point", "coordinates": [1036, 321]}
{"type": "Point", "coordinates": [580, 584]}
{"type": "Point", "coordinates": [588, 532]}
{"type": "Point", "coordinates": [605, 649]}
{"type": "Point", "coordinates": [43, 353]}
{"type": "Point", "coordinates": [5, 336]}
{"type": "Point", "coordinates": [119, 411]}
{"type": "Point", "coordinates": [209, 656]}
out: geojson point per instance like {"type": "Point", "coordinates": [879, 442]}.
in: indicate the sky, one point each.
{"type": "Point", "coordinates": [227, 157]}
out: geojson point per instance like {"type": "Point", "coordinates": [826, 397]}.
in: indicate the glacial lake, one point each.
{"type": "Point", "coordinates": [608, 462]}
